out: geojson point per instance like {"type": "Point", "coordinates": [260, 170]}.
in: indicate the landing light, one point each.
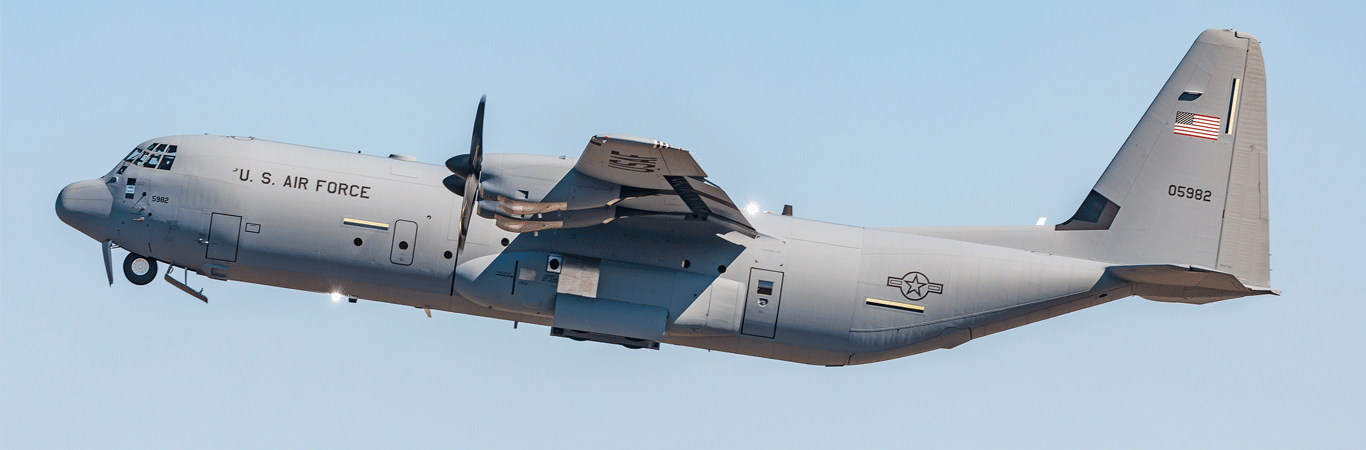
{"type": "Point", "coordinates": [336, 297]}
{"type": "Point", "coordinates": [752, 209]}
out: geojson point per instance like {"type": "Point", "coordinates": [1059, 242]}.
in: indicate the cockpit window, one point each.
{"type": "Point", "coordinates": [156, 156]}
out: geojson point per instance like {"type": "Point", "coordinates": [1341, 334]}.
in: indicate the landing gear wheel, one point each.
{"type": "Point", "coordinates": [139, 269]}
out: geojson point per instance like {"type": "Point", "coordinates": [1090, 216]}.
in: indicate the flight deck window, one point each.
{"type": "Point", "coordinates": [155, 156]}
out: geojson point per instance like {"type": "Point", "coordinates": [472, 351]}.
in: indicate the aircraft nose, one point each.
{"type": "Point", "coordinates": [84, 201]}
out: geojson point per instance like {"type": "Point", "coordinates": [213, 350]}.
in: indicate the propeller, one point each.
{"type": "Point", "coordinates": [465, 182]}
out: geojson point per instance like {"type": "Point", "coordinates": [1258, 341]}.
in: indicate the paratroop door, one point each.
{"type": "Point", "coordinates": [762, 303]}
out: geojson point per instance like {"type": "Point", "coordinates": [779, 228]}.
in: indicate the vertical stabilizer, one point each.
{"type": "Point", "coordinates": [1189, 184]}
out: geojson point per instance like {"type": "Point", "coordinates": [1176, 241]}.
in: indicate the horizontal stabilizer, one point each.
{"type": "Point", "coordinates": [1185, 284]}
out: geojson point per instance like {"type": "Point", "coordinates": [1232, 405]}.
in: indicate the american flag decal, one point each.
{"type": "Point", "coordinates": [1197, 125]}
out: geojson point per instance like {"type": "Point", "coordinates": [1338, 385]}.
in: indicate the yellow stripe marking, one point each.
{"type": "Point", "coordinates": [1233, 106]}
{"type": "Point", "coordinates": [897, 305]}
{"type": "Point", "coordinates": [365, 223]}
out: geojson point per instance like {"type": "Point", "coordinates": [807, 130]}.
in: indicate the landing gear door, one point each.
{"type": "Point", "coordinates": [762, 303]}
{"type": "Point", "coordinates": [224, 231]}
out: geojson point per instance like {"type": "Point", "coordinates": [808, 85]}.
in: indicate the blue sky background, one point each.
{"type": "Point", "coordinates": [872, 114]}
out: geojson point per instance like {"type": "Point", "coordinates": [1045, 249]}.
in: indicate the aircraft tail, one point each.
{"type": "Point", "coordinates": [1189, 185]}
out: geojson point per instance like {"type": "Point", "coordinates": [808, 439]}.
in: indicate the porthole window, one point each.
{"type": "Point", "coordinates": [721, 268]}
{"type": "Point", "coordinates": [448, 254]}
{"type": "Point", "coordinates": [402, 245]}
{"type": "Point", "coordinates": [687, 264]}
{"type": "Point", "coordinates": [357, 241]}
{"type": "Point", "coordinates": [765, 288]}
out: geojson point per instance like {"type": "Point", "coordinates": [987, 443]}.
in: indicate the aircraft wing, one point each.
{"type": "Point", "coordinates": [649, 177]}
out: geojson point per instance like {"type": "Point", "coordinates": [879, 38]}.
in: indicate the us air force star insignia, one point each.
{"type": "Point", "coordinates": [915, 285]}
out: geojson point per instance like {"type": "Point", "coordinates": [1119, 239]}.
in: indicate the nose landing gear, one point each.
{"type": "Point", "coordinates": [139, 269]}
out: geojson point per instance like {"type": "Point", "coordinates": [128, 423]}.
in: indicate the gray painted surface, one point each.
{"type": "Point", "coordinates": [223, 235]}
{"type": "Point", "coordinates": [763, 303]}
{"type": "Point", "coordinates": [652, 250]}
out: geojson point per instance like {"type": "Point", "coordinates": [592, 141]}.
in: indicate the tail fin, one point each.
{"type": "Point", "coordinates": [1189, 185]}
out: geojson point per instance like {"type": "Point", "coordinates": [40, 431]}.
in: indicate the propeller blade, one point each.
{"type": "Point", "coordinates": [477, 140]}
{"type": "Point", "coordinates": [460, 165]}
{"type": "Point", "coordinates": [455, 183]}
{"type": "Point", "coordinates": [470, 168]}
{"type": "Point", "coordinates": [467, 211]}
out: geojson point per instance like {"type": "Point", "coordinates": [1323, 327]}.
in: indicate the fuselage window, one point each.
{"type": "Point", "coordinates": [140, 159]}
{"type": "Point", "coordinates": [171, 149]}
{"type": "Point", "coordinates": [133, 154]}
{"type": "Point", "coordinates": [161, 147]}
{"type": "Point", "coordinates": [153, 160]}
{"type": "Point", "coordinates": [166, 161]}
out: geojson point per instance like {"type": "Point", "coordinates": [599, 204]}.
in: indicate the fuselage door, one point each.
{"type": "Point", "coordinates": [405, 243]}
{"type": "Point", "coordinates": [224, 231]}
{"type": "Point", "coordinates": [762, 302]}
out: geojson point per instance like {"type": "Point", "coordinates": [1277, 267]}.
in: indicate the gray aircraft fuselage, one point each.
{"type": "Point", "coordinates": [290, 203]}
{"type": "Point", "coordinates": [386, 229]}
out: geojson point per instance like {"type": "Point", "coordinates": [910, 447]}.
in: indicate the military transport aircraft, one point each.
{"type": "Point", "coordinates": [631, 244]}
